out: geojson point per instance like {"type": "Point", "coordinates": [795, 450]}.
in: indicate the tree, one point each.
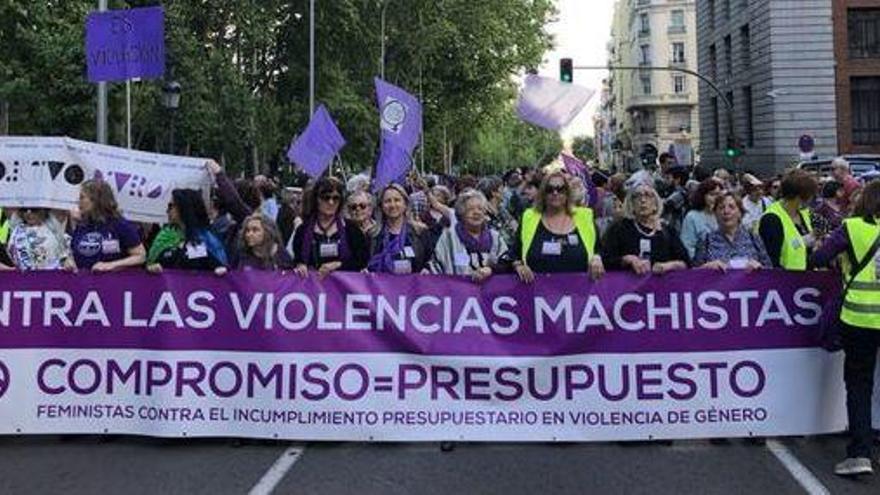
{"type": "Point", "coordinates": [583, 148]}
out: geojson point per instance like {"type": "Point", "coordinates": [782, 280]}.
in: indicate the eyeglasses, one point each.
{"type": "Point", "coordinates": [358, 206]}
{"type": "Point", "coordinates": [552, 189]}
{"type": "Point", "coordinates": [330, 198]}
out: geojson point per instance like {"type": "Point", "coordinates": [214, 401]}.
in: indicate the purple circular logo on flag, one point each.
{"type": "Point", "coordinates": [4, 379]}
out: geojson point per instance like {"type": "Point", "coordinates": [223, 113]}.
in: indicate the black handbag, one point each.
{"type": "Point", "coordinates": [832, 338]}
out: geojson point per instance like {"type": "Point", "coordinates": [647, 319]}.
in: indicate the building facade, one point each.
{"type": "Point", "coordinates": [857, 51]}
{"type": "Point", "coordinates": [773, 64]}
{"type": "Point", "coordinates": [653, 109]}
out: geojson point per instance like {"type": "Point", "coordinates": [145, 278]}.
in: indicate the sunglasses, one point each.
{"type": "Point", "coordinates": [551, 189]}
{"type": "Point", "coordinates": [358, 206]}
{"type": "Point", "coordinates": [330, 198]}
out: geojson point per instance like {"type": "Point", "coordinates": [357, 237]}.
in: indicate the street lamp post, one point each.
{"type": "Point", "coordinates": [171, 101]}
{"type": "Point", "coordinates": [311, 58]}
{"type": "Point", "coordinates": [382, 40]}
{"type": "Point", "coordinates": [101, 124]}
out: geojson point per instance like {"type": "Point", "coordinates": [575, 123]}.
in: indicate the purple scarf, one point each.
{"type": "Point", "coordinates": [482, 244]}
{"type": "Point", "coordinates": [383, 261]}
{"type": "Point", "coordinates": [309, 238]}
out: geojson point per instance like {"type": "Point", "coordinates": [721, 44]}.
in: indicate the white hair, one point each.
{"type": "Point", "coordinates": [840, 163]}
{"type": "Point", "coordinates": [360, 182]}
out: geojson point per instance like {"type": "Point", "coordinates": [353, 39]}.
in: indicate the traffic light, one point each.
{"type": "Point", "coordinates": [566, 70]}
{"type": "Point", "coordinates": [734, 148]}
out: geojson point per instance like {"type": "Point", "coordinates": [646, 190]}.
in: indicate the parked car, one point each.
{"type": "Point", "coordinates": [858, 164]}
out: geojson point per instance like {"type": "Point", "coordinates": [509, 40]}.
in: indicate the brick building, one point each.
{"type": "Point", "coordinates": [857, 55]}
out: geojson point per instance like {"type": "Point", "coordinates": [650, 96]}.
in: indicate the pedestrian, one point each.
{"type": "Point", "coordinates": [326, 242]}
{"type": "Point", "coordinates": [499, 219]}
{"type": "Point", "coordinates": [640, 242]}
{"type": "Point", "coordinates": [841, 172]}
{"type": "Point", "coordinates": [37, 240]}
{"type": "Point", "coordinates": [754, 202]}
{"type": "Point", "coordinates": [676, 203]}
{"type": "Point", "coordinates": [555, 236]}
{"type": "Point", "coordinates": [732, 246]}
{"type": "Point", "coordinates": [360, 206]}
{"type": "Point", "coordinates": [786, 227]}
{"type": "Point", "coordinates": [700, 220]}
{"type": "Point", "coordinates": [260, 246]}
{"type": "Point", "coordinates": [858, 239]}
{"type": "Point", "coordinates": [471, 247]}
{"type": "Point", "coordinates": [402, 244]}
{"type": "Point", "coordinates": [828, 215]}
{"type": "Point", "coordinates": [103, 240]}
{"type": "Point", "coordinates": [186, 242]}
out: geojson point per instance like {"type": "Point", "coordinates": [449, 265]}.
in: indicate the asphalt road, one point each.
{"type": "Point", "coordinates": [132, 466]}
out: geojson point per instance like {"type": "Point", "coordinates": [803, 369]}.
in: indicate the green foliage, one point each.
{"type": "Point", "coordinates": [243, 67]}
{"type": "Point", "coordinates": [583, 148]}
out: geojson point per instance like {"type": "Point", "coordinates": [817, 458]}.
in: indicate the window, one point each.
{"type": "Point", "coordinates": [726, 10]}
{"type": "Point", "coordinates": [750, 117]}
{"type": "Point", "coordinates": [676, 21]}
{"type": "Point", "coordinates": [711, 14]}
{"type": "Point", "coordinates": [678, 53]}
{"type": "Point", "coordinates": [728, 56]}
{"type": "Point", "coordinates": [713, 63]}
{"type": "Point", "coordinates": [865, 94]}
{"type": "Point", "coordinates": [645, 52]}
{"type": "Point", "coordinates": [644, 24]}
{"type": "Point", "coordinates": [863, 28]}
{"type": "Point", "coordinates": [678, 84]}
{"type": "Point", "coordinates": [646, 83]}
{"type": "Point", "coordinates": [745, 38]}
{"type": "Point", "coordinates": [647, 122]}
{"type": "Point", "coordinates": [716, 124]}
{"type": "Point", "coordinates": [679, 120]}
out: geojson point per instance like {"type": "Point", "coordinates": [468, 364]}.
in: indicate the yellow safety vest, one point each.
{"type": "Point", "coordinates": [4, 230]}
{"type": "Point", "coordinates": [583, 222]}
{"type": "Point", "coordinates": [794, 252]}
{"type": "Point", "coordinates": [861, 306]}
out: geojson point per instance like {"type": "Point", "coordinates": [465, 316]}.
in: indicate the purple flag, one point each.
{"type": "Point", "coordinates": [550, 104]}
{"type": "Point", "coordinates": [392, 166]}
{"type": "Point", "coordinates": [578, 169]}
{"type": "Point", "coordinates": [317, 145]}
{"type": "Point", "coordinates": [400, 115]}
{"type": "Point", "coordinates": [125, 44]}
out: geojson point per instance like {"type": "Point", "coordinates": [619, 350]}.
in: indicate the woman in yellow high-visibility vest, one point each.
{"type": "Point", "coordinates": [858, 239]}
{"type": "Point", "coordinates": [786, 226]}
{"type": "Point", "coordinates": [555, 236]}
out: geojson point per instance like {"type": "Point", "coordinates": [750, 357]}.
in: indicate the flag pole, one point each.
{"type": "Point", "coordinates": [128, 112]}
{"type": "Point", "coordinates": [101, 131]}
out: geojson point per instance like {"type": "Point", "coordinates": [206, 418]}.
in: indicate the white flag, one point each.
{"type": "Point", "coordinates": [551, 104]}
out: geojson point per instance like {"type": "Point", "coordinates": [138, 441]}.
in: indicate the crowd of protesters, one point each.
{"type": "Point", "coordinates": [526, 222]}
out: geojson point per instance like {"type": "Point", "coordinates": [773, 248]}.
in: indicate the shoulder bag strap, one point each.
{"type": "Point", "coordinates": [863, 263]}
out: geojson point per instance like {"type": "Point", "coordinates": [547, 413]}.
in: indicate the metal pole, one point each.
{"type": "Point", "coordinates": [382, 41]}
{"type": "Point", "coordinates": [311, 57]}
{"type": "Point", "coordinates": [128, 113]}
{"type": "Point", "coordinates": [422, 134]}
{"type": "Point", "coordinates": [102, 97]}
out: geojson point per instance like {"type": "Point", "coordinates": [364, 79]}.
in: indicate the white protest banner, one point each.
{"type": "Point", "coordinates": [47, 172]}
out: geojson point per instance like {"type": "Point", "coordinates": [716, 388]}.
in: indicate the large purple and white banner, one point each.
{"type": "Point", "coordinates": [377, 357]}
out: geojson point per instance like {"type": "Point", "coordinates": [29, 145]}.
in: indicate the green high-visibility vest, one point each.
{"type": "Point", "coordinates": [861, 306]}
{"type": "Point", "coordinates": [794, 251]}
{"type": "Point", "coordinates": [583, 222]}
{"type": "Point", "coordinates": [4, 230]}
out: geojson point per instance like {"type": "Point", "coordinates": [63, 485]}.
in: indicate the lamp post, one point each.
{"type": "Point", "coordinates": [171, 101]}
{"type": "Point", "coordinates": [382, 40]}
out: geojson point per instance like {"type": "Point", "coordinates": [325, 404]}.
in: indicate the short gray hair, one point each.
{"type": "Point", "coordinates": [630, 200]}
{"type": "Point", "coordinates": [467, 195]}
{"type": "Point", "coordinates": [839, 163]}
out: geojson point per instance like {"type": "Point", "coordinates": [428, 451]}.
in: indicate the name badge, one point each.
{"type": "Point", "coordinates": [573, 239]}
{"type": "Point", "coordinates": [409, 252]}
{"type": "Point", "coordinates": [110, 246]}
{"type": "Point", "coordinates": [738, 263]}
{"type": "Point", "coordinates": [329, 250]}
{"type": "Point", "coordinates": [551, 248]}
{"type": "Point", "coordinates": [644, 248]}
{"type": "Point", "coordinates": [402, 267]}
{"type": "Point", "coordinates": [462, 259]}
{"type": "Point", "coordinates": [796, 243]}
{"type": "Point", "coordinates": [196, 251]}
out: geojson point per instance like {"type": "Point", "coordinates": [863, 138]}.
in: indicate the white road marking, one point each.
{"type": "Point", "coordinates": [276, 473]}
{"type": "Point", "coordinates": [798, 471]}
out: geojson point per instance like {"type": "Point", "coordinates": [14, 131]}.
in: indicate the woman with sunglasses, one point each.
{"type": "Point", "coordinates": [401, 245]}
{"type": "Point", "coordinates": [103, 241]}
{"type": "Point", "coordinates": [554, 235]}
{"type": "Point", "coordinates": [640, 242]}
{"type": "Point", "coordinates": [326, 242]}
{"type": "Point", "coordinates": [360, 211]}
{"type": "Point", "coordinates": [37, 240]}
{"type": "Point", "coordinates": [186, 241]}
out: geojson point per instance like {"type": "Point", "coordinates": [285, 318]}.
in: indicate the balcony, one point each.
{"type": "Point", "coordinates": [644, 62]}
{"type": "Point", "coordinates": [677, 29]}
{"type": "Point", "coordinates": [644, 33]}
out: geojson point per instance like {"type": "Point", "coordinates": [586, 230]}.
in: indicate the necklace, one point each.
{"type": "Point", "coordinates": [649, 233]}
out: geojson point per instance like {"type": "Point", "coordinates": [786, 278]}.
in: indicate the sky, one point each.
{"type": "Point", "coordinates": [581, 32]}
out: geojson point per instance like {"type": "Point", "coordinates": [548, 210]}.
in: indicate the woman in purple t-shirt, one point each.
{"type": "Point", "coordinates": [104, 241]}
